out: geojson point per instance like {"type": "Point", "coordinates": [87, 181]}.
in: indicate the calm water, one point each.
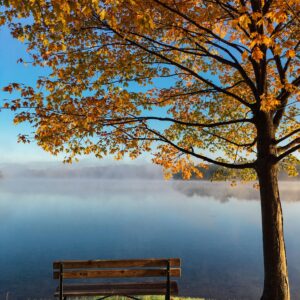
{"type": "Point", "coordinates": [213, 228]}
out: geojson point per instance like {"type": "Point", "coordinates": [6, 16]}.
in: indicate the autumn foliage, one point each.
{"type": "Point", "coordinates": [204, 54]}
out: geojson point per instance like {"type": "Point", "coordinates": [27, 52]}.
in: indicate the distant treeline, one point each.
{"type": "Point", "coordinates": [212, 170]}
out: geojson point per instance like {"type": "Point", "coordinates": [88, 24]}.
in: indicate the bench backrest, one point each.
{"type": "Point", "coordinates": [78, 269]}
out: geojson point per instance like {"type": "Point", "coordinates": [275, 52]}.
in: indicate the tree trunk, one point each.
{"type": "Point", "coordinates": [276, 284]}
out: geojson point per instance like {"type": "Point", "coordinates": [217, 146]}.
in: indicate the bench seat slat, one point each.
{"type": "Point", "coordinates": [127, 263]}
{"type": "Point", "coordinates": [174, 272]}
{"type": "Point", "coordinates": [144, 288]}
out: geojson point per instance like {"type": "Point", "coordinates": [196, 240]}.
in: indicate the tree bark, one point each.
{"type": "Point", "coordinates": [276, 284]}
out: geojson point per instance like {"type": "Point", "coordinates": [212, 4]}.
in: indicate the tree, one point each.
{"type": "Point", "coordinates": [219, 84]}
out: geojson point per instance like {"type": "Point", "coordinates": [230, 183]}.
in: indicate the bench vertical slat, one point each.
{"type": "Point", "coordinates": [168, 281]}
{"type": "Point", "coordinates": [61, 282]}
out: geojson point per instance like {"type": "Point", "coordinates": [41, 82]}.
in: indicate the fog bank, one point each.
{"type": "Point", "coordinates": [81, 170]}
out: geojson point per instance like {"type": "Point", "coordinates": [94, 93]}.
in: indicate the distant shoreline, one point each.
{"type": "Point", "coordinates": [113, 171]}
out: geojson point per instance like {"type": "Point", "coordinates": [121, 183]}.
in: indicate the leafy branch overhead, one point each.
{"type": "Point", "coordinates": [207, 71]}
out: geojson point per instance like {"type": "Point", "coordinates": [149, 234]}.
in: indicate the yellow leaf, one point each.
{"type": "Point", "coordinates": [244, 21]}
{"type": "Point", "coordinates": [267, 41]}
{"type": "Point", "coordinates": [102, 14]}
{"type": "Point", "coordinates": [269, 103]}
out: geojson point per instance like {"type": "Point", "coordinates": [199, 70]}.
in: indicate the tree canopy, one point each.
{"type": "Point", "coordinates": [206, 69]}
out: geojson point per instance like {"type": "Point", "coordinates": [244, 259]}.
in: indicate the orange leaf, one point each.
{"type": "Point", "coordinates": [257, 54]}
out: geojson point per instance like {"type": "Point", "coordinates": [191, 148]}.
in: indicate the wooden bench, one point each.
{"type": "Point", "coordinates": [131, 268]}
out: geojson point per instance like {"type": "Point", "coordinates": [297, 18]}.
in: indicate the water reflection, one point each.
{"type": "Point", "coordinates": [220, 244]}
{"type": "Point", "coordinates": [222, 191]}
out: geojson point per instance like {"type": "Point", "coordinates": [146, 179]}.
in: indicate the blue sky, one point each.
{"type": "Point", "coordinates": [11, 71]}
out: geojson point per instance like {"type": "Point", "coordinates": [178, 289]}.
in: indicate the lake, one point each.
{"type": "Point", "coordinates": [213, 228]}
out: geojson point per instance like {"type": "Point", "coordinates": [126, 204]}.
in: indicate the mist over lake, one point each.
{"type": "Point", "coordinates": [215, 229]}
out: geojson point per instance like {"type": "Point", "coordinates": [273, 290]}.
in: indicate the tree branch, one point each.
{"type": "Point", "coordinates": [195, 124]}
{"type": "Point", "coordinates": [182, 67]}
{"type": "Point", "coordinates": [204, 158]}
{"type": "Point", "coordinates": [234, 64]}
{"type": "Point", "coordinates": [118, 121]}
{"type": "Point", "coordinates": [283, 97]}
{"type": "Point", "coordinates": [290, 151]}
{"type": "Point", "coordinates": [287, 136]}
{"type": "Point", "coordinates": [235, 46]}
{"type": "Point", "coordinates": [289, 145]}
